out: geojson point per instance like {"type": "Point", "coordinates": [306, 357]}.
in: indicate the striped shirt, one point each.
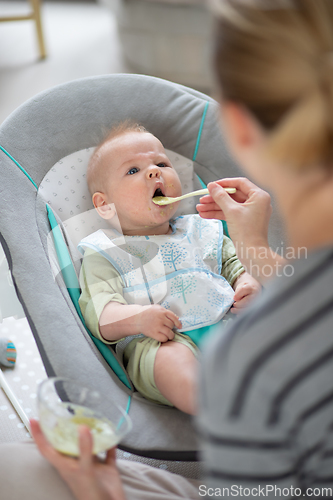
{"type": "Point", "coordinates": [266, 419]}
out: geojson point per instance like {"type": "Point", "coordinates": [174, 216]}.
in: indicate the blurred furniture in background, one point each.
{"type": "Point", "coordinates": [33, 16]}
{"type": "Point", "coordinates": [166, 38]}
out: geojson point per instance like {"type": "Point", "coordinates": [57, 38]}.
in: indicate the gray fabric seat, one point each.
{"type": "Point", "coordinates": [53, 124]}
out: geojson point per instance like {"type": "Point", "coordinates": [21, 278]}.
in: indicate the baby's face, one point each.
{"type": "Point", "coordinates": [140, 170]}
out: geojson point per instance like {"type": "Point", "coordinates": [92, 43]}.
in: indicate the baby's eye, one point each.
{"type": "Point", "coordinates": [161, 165]}
{"type": "Point", "coordinates": [132, 171]}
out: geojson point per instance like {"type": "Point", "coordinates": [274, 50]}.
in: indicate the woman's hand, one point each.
{"type": "Point", "coordinates": [87, 477]}
{"type": "Point", "coordinates": [247, 213]}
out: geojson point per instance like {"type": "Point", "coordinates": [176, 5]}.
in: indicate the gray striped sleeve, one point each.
{"type": "Point", "coordinates": [267, 388]}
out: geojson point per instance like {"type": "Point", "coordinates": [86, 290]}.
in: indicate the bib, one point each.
{"type": "Point", "coordinates": [180, 271]}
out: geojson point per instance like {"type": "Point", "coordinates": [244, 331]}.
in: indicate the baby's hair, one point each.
{"type": "Point", "coordinates": [97, 173]}
{"type": "Point", "coordinates": [276, 58]}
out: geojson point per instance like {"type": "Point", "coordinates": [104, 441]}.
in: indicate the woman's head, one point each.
{"type": "Point", "coordinates": [275, 59]}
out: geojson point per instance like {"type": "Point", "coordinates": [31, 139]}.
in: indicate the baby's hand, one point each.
{"type": "Point", "coordinates": [157, 322]}
{"type": "Point", "coordinates": [246, 288]}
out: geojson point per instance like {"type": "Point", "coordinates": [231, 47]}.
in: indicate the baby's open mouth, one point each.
{"type": "Point", "coordinates": [158, 192]}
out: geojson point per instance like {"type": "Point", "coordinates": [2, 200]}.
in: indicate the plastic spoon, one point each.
{"type": "Point", "coordinates": [166, 200]}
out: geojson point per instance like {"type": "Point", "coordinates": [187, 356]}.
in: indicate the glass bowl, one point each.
{"type": "Point", "coordinates": [64, 405]}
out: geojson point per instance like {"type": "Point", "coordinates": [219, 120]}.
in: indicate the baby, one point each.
{"type": "Point", "coordinates": [152, 275]}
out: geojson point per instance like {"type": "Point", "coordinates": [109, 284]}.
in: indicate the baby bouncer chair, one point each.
{"type": "Point", "coordinates": [45, 146]}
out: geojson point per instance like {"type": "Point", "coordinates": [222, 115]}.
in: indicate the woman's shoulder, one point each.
{"type": "Point", "coordinates": [299, 276]}
{"type": "Point", "coordinates": [294, 313]}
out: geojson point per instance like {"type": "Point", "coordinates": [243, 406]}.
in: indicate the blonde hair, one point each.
{"type": "Point", "coordinates": [276, 58]}
{"type": "Point", "coordinates": [98, 172]}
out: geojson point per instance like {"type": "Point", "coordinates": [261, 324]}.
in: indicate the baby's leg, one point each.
{"type": "Point", "coordinates": [175, 374]}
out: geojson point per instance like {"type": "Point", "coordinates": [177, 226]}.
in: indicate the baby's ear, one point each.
{"type": "Point", "coordinates": [104, 209]}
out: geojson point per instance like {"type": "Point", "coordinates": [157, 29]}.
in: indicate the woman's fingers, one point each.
{"type": "Point", "coordinates": [242, 184]}
{"type": "Point", "coordinates": [42, 443]}
{"type": "Point", "coordinates": [54, 457]}
{"type": "Point", "coordinates": [208, 206]}
{"type": "Point", "coordinates": [221, 197]}
{"type": "Point", "coordinates": [244, 189]}
{"type": "Point", "coordinates": [111, 457]}
{"type": "Point", "coordinates": [247, 212]}
{"type": "Point", "coordinates": [218, 203]}
{"type": "Point", "coordinates": [214, 214]}
{"type": "Point", "coordinates": [86, 445]}
{"type": "Point", "coordinates": [86, 477]}
{"type": "Point", "coordinates": [61, 462]}
{"type": "Point", "coordinates": [36, 432]}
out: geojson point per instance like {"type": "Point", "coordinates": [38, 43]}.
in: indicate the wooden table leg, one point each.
{"type": "Point", "coordinates": [36, 16]}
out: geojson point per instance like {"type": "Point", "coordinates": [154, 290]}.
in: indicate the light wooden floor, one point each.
{"type": "Point", "coordinates": [81, 40]}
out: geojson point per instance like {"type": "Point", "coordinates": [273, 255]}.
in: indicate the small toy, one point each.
{"type": "Point", "coordinates": [7, 353]}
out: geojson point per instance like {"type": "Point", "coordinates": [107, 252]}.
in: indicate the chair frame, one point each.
{"type": "Point", "coordinates": [33, 16]}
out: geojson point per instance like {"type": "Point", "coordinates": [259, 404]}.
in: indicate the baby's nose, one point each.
{"type": "Point", "coordinates": [153, 172]}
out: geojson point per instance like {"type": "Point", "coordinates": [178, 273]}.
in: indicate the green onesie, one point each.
{"type": "Point", "coordinates": [101, 283]}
